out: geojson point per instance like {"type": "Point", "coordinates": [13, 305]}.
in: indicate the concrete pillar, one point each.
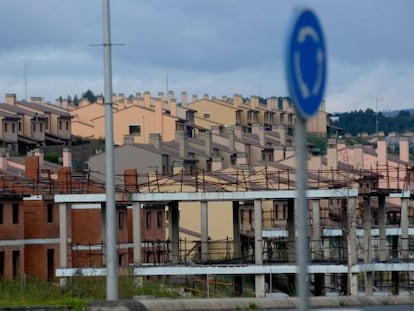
{"type": "Point", "coordinates": [382, 229]}
{"type": "Point", "coordinates": [204, 231]}
{"type": "Point", "coordinates": [63, 239]}
{"type": "Point", "coordinates": [316, 231]}
{"type": "Point", "coordinates": [367, 220]}
{"type": "Point", "coordinates": [236, 229]}
{"type": "Point", "coordinates": [136, 232]}
{"type": "Point", "coordinates": [404, 228]}
{"type": "Point", "coordinates": [258, 247]}
{"type": "Point", "coordinates": [103, 232]}
{"type": "Point", "coordinates": [259, 283]}
{"type": "Point", "coordinates": [174, 231]}
{"type": "Point", "coordinates": [291, 227]}
{"type": "Point", "coordinates": [258, 241]}
{"type": "Point", "coordinates": [352, 246]}
{"type": "Point", "coordinates": [63, 235]}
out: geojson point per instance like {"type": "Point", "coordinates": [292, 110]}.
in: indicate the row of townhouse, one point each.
{"type": "Point", "coordinates": [140, 115]}
{"type": "Point", "coordinates": [27, 125]}
{"type": "Point", "coordinates": [39, 235]}
{"type": "Point", "coordinates": [230, 157]}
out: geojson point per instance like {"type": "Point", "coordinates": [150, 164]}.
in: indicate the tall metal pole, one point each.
{"type": "Point", "coordinates": [302, 247]}
{"type": "Point", "coordinates": [111, 258]}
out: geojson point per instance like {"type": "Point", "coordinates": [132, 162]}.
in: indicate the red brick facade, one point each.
{"type": "Point", "coordinates": [29, 228]}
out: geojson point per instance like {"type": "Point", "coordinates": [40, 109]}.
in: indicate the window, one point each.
{"type": "Point", "coordinates": [206, 115]}
{"type": "Point", "coordinates": [50, 264]}
{"type": "Point", "coordinates": [280, 211]}
{"type": "Point", "coordinates": [34, 126]}
{"type": "Point", "coordinates": [20, 126]}
{"type": "Point", "coordinates": [135, 130]}
{"type": "Point", "coordinates": [5, 127]}
{"type": "Point", "coordinates": [159, 220]}
{"type": "Point", "coordinates": [67, 125]}
{"type": "Point", "coordinates": [41, 127]}
{"type": "Point", "coordinates": [13, 127]}
{"type": "Point", "coordinates": [121, 260]}
{"type": "Point", "coordinates": [60, 125]}
{"type": "Point", "coordinates": [15, 213]}
{"type": "Point", "coordinates": [15, 263]}
{"type": "Point", "coordinates": [121, 220]}
{"type": "Point", "coordinates": [49, 208]}
{"type": "Point", "coordinates": [1, 213]}
{"type": "Point", "coordinates": [148, 220]}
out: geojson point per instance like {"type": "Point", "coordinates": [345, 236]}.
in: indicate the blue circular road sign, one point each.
{"type": "Point", "coordinates": [306, 63]}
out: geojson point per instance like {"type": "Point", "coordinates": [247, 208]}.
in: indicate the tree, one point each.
{"type": "Point", "coordinates": [90, 96]}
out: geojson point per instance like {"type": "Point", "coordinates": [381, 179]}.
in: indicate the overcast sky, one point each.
{"type": "Point", "coordinates": [219, 47]}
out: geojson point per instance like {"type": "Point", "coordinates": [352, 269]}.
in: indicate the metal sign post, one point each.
{"type": "Point", "coordinates": [306, 74]}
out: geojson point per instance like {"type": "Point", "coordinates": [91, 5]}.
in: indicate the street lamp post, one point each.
{"type": "Point", "coordinates": [111, 260]}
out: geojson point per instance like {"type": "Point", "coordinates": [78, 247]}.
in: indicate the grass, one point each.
{"type": "Point", "coordinates": [78, 293]}
{"type": "Point", "coordinates": [14, 293]}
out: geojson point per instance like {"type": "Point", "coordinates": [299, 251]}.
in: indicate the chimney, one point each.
{"type": "Point", "coordinates": [11, 99]}
{"type": "Point", "coordinates": [404, 150]}
{"type": "Point", "coordinates": [3, 158]}
{"type": "Point", "coordinates": [36, 99]}
{"type": "Point", "coordinates": [207, 142]}
{"type": "Point", "coordinates": [184, 98]}
{"type": "Point", "coordinates": [131, 180]}
{"type": "Point", "coordinates": [67, 157]}
{"type": "Point", "coordinates": [205, 96]}
{"type": "Point", "coordinates": [332, 154]}
{"type": "Point", "coordinates": [161, 96]}
{"type": "Point", "coordinates": [170, 95]}
{"type": "Point", "coordinates": [182, 141]}
{"type": "Point", "coordinates": [254, 101]}
{"type": "Point", "coordinates": [173, 107]}
{"type": "Point", "coordinates": [84, 102]}
{"type": "Point", "coordinates": [32, 167]}
{"type": "Point", "coordinates": [147, 99]}
{"type": "Point", "coordinates": [237, 100]}
{"type": "Point", "coordinates": [155, 140]}
{"type": "Point", "coordinates": [158, 120]}
{"type": "Point", "coordinates": [39, 153]}
{"type": "Point", "coordinates": [195, 97]}
{"type": "Point", "coordinates": [382, 151]}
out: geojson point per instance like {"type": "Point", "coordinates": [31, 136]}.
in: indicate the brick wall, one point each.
{"type": "Point", "coordinates": [8, 260]}
{"type": "Point", "coordinates": [36, 261]}
{"type": "Point", "coordinates": [32, 167]}
{"type": "Point", "coordinates": [36, 220]}
{"type": "Point", "coordinates": [8, 230]}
